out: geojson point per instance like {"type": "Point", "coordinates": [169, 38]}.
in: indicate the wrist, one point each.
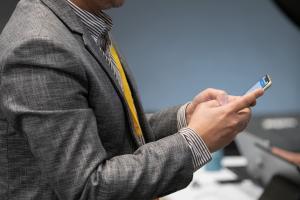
{"type": "Point", "coordinates": [194, 129]}
{"type": "Point", "coordinates": [204, 136]}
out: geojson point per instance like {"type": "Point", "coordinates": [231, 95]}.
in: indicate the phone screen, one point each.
{"type": "Point", "coordinates": [264, 83]}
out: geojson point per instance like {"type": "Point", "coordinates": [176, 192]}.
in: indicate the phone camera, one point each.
{"type": "Point", "coordinates": [266, 79]}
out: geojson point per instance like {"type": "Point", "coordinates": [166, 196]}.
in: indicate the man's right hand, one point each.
{"type": "Point", "coordinates": [218, 125]}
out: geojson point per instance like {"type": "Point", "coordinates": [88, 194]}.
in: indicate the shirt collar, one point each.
{"type": "Point", "coordinates": [99, 25]}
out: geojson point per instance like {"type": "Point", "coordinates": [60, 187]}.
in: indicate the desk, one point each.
{"type": "Point", "coordinates": [219, 185]}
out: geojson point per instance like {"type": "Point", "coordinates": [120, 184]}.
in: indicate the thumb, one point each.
{"type": "Point", "coordinates": [245, 101]}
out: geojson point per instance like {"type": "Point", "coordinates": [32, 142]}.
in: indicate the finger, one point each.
{"type": "Point", "coordinates": [245, 101]}
{"type": "Point", "coordinates": [233, 98]}
{"type": "Point", "coordinates": [243, 119]}
{"type": "Point", "coordinates": [258, 93]}
{"type": "Point", "coordinates": [253, 104]}
{"type": "Point", "coordinates": [245, 115]}
{"type": "Point", "coordinates": [209, 94]}
{"type": "Point", "coordinates": [290, 156]}
{"type": "Point", "coordinates": [244, 111]}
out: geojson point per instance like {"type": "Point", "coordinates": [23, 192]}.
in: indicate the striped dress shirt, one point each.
{"type": "Point", "coordinates": [99, 25]}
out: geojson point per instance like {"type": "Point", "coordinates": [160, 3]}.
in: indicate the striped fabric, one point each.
{"type": "Point", "coordinates": [200, 152]}
{"type": "Point", "coordinates": [99, 27]}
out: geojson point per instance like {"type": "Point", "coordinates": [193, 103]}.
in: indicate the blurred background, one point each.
{"type": "Point", "coordinates": [177, 48]}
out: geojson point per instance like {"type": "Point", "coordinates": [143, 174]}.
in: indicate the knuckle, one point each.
{"type": "Point", "coordinates": [209, 90]}
{"type": "Point", "coordinates": [246, 111]}
{"type": "Point", "coordinates": [223, 92]}
{"type": "Point", "coordinates": [246, 102]}
{"type": "Point", "coordinates": [251, 100]}
{"type": "Point", "coordinates": [235, 122]}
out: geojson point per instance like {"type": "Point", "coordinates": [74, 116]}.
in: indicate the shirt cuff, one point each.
{"type": "Point", "coordinates": [200, 153]}
{"type": "Point", "coordinates": [181, 118]}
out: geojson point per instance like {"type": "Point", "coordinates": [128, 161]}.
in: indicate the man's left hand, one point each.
{"type": "Point", "coordinates": [210, 94]}
{"type": "Point", "coordinates": [206, 95]}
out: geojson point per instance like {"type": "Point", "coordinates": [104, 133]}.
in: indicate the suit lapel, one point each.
{"type": "Point", "coordinates": [69, 18]}
{"type": "Point", "coordinates": [95, 51]}
{"type": "Point", "coordinates": [98, 55]}
{"type": "Point", "coordinates": [133, 86]}
{"type": "Point", "coordinates": [63, 11]}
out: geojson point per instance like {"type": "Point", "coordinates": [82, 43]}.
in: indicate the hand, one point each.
{"type": "Point", "coordinates": [206, 95]}
{"type": "Point", "coordinates": [287, 155]}
{"type": "Point", "coordinates": [218, 125]}
{"type": "Point", "coordinates": [209, 94]}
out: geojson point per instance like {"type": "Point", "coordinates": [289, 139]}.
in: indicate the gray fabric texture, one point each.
{"type": "Point", "coordinates": [65, 129]}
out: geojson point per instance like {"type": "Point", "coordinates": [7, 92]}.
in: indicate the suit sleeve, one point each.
{"type": "Point", "coordinates": [164, 122]}
{"type": "Point", "coordinates": [44, 93]}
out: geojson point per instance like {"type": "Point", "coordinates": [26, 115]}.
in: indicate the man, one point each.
{"type": "Point", "coordinates": [71, 123]}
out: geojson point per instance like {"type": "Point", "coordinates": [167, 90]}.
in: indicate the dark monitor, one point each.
{"type": "Point", "coordinates": [291, 8]}
{"type": "Point", "coordinates": [281, 188]}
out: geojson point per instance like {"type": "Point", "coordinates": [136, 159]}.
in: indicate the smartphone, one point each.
{"type": "Point", "coordinates": [265, 82]}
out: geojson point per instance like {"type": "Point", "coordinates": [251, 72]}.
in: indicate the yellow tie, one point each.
{"type": "Point", "coordinates": [127, 92]}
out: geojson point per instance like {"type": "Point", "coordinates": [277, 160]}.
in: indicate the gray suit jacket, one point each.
{"type": "Point", "coordinates": [65, 131]}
